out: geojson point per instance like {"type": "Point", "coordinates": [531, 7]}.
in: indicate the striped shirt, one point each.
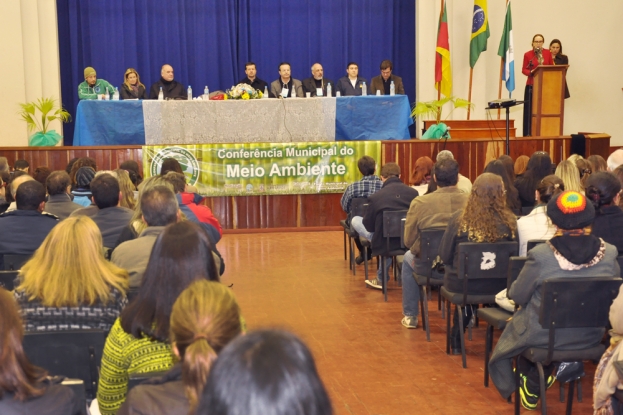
{"type": "Point", "coordinates": [363, 188]}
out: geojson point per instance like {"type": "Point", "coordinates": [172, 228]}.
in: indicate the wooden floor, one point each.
{"type": "Point", "coordinates": [370, 364]}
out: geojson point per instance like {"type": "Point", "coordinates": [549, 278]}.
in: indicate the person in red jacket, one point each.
{"type": "Point", "coordinates": [531, 59]}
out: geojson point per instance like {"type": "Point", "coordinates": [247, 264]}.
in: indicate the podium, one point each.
{"type": "Point", "coordinates": [548, 100]}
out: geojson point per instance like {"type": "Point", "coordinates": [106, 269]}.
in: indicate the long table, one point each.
{"type": "Point", "coordinates": [100, 123]}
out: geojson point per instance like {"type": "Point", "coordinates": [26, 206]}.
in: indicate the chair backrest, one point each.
{"type": "Point", "coordinates": [576, 303]}
{"type": "Point", "coordinates": [534, 242]}
{"type": "Point", "coordinates": [358, 206]}
{"type": "Point", "coordinates": [515, 266]}
{"type": "Point", "coordinates": [77, 386]}
{"type": "Point", "coordinates": [430, 239]}
{"type": "Point", "coordinates": [138, 378]}
{"type": "Point", "coordinates": [393, 226]}
{"type": "Point", "coordinates": [14, 262]}
{"type": "Point", "coordinates": [7, 279]}
{"type": "Point", "coordinates": [73, 353]}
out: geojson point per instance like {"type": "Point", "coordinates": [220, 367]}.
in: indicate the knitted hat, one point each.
{"type": "Point", "coordinates": [88, 71]}
{"type": "Point", "coordinates": [569, 210]}
{"type": "Point", "coordinates": [84, 175]}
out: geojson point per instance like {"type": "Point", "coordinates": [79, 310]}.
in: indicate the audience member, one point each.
{"type": "Point", "coordinates": [464, 184]}
{"type": "Point", "coordinates": [352, 83]}
{"type": "Point", "coordinates": [383, 82]}
{"type": "Point", "coordinates": [18, 178]}
{"type": "Point", "coordinates": [485, 218]}
{"type": "Point", "coordinates": [603, 190]}
{"type": "Point", "coordinates": [82, 192]}
{"type": "Point", "coordinates": [25, 388]}
{"type": "Point", "coordinates": [139, 340]}
{"type": "Point", "coordinates": [21, 165]}
{"type": "Point", "coordinates": [68, 285]}
{"type": "Point", "coordinates": [194, 212]}
{"type": "Point", "coordinates": [132, 87]}
{"type": "Point", "coordinates": [25, 228]}
{"type": "Point", "coordinates": [585, 169]}
{"type": "Point", "coordinates": [537, 225]}
{"type": "Point", "coordinates": [568, 173]}
{"type": "Point", "coordinates": [204, 318]}
{"type": "Point", "coordinates": [521, 164]}
{"type": "Point", "coordinates": [127, 189]}
{"type": "Point", "coordinates": [158, 208]}
{"type": "Point", "coordinates": [539, 166]}
{"type": "Point", "coordinates": [110, 218]}
{"type": "Point", "coordinates": [265, 372]}
{"type": "Point", "coordinates": [131, 166]}
{"type": "Point", "coordinates": [59, 201]}
{"type": "Point", "coordinates": [285, 86]}
{"type": "Point", "coordinates": [428, 211]}
{"type": "Point", "coordinates": [422, 174]}
{"type": "Point", "coordinates": [171, 89]}
{"type": "Point", "coordinates": [41, 174]}
{"type": "Point", "coordinates": [618, 172]}
{"type": "Point", "coordinates": [512, 195]}
{"type": "Point", "coordinates": [70, 164]}
{"type": "Point", "coordinates": [81, 162]}
{"type": "Point", "coordinates": [369, 184]}
{"type": "Point", "coordinates": [171, 164]}
{"type": "Point", "coordinates": [615, 159]}
{"type": "Point", "coordinates": [508, 163]}
{"type": "Point", "coordinates": [4, 164]}
{"type": "Point", "coordinates": [572, 252]}
{"type": "Point", "coordinates": [394, 195]}
{"type": "Point", "coordinates": [598, 163]}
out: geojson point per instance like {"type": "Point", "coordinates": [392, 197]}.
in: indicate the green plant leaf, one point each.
{"type": "Point", "coordinates": [48, 110]}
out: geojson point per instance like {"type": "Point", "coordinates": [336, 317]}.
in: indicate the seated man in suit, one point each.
{"type": "Point", "coordinates": [317, 84]}
{"type": "Point", "coordinates": [350, 85]}
{"type": "Point", "coordinates": [384, 80]}
{"type": "Point", "coordinates": [251, 79]}
{"type": "Point", "coordinates": [171, 89]}
{"type": "Point", "coordinates": [111, 218]}
{"type": "Point", "coordinates": [394, 195]}
{"type": "Point", "coordinates": [432, 210]}
{"type": "Point", "coordinates": [25, 228]}
{"type": "Point", "coordinates": [286, 86]}
{"type": "Point", "coordinates": [59, 201]}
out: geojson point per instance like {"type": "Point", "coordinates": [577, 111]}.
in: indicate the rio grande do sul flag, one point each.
{"type": "Point", "coordinates": [507, 52]}
{"type": "Point", "coordinates": [480, 31]}
{"type": "Point", "coordinates": [443, 70]}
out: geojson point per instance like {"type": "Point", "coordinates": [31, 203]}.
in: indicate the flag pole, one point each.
{"type": "Point", "coordinates": [500, 77]}
{"type": "Point", "coordinates": [439, 83]}
{"type": "Point", "coordinates": [469, 98]}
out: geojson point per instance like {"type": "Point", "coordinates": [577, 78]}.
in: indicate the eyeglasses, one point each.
{"type": "Point", "coordinates": [537, 41]}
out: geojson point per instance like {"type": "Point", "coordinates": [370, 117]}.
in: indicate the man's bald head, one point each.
{"type": "Point", "coordinates": [167, 72]}
{"type": "Point", "coordinates": [317, 71]}
{"type": "Point", "coordinates": [17, 181]}
{"type": "Point", "coordinates": [615, 160]}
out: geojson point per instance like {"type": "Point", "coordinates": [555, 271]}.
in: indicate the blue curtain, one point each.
{"type": "Point", "coordinates": [208, 42]}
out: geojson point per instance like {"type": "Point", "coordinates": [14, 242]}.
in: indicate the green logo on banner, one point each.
{"type": "Point", "coordinates": [187, 160]}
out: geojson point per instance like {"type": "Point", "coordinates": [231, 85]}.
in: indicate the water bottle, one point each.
{"type": "Point", "coordinates": [160, 95]}
{"type": "Point", "coordinates": [265, 92]}
{"type": "Point", "coordinates": [392, 89]}
{"type": "Point", "coordinates": [337, 94]}
{"type": "Point", "coordinates": [206, 92]}
{"type": "Point", "coordinates": [189, 92]}
{"type": "Point", "coordinates": [364, 90]}
{"type": "Point", "coordinates": [329, 89]}
{"type": "Point", "coordinates": [115, 95]}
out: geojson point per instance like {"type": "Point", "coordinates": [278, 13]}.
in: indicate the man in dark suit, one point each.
{"type": "Point", "coordinates": [384, 80]}
{"type": "Point", "coordinates": [59, 201]}
{"type": "Point", "coordinates": [317, 84]}
{"type": "Point", "coordinates": [111, 218]}
{"type": "Point", "coordinates": [394, 195]}
{"type": "Point", "coordinates": [171, 89]}
{"type": "Point", "coordinates": [350, 85]}
{"type": "Point", "coordinates": [256, 83]}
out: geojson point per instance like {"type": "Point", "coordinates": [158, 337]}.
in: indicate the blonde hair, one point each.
{"type": "Point", "coordinates": [138, 78]}
{"type": "Point", "coordinates": [127, 189]}
{"type": "Point", "coordinates": [69, 268]}
{"type": "Point", "coordinates": [205, 317]}
{"type": "Point", "coordinates": [570, 176]}
{"type": "Point", "coordinates": [137, 218]}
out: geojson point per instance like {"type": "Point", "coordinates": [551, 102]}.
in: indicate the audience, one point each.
{"type": "Point", "coordinates": [615, 159]}
{"type": "Point", "coordinates": [21, 165]}
{"type": "Point", "coordinates": [265, 372]}
{"type": "Point", "coordinates": [59, 202]}
{"type": "Point", "coordinates": [68, 285]}
{"type": "Point", "coordinates": [572, 252]}
{"type": "Point", "coordinates": [78, 164]}
{"type": "Point", "coordinates": [133, 170]}
{"type": "Point", "coordinates": [428, 211]}
{"type": "Point", "coordinates": [464, 184]}
{"type": "Point", "coordinates": [485, 218]}
{"type": "Point", "coordinates": [507, 161]}
{"type": "Point", "coordinates": [512, 195]}
{"type": "Point", "coordinates": [159, 208]}
{"type": "Point", "coordinates": [25, 229]}
{"type": "Point", "coordinates": [603, 190]}
{"type": "Point", "coordinates": [585, 169]}
{"type": "Point", "coordinates": [521, 165]}
{"type": "Point", "coordinates": [82, 187]}
{"type": "Point", "coordinates": [41, 174]}
{"type": "Point", "coordinates": [598, 163]}
{"type": "Point", "coordinates": [394, 195]}
{"type": "Point", "coordinates": [69, 166]}
{"type": "Point", "coordinates": [110, 218]}
{"type": "Point", "coordinates": [139, 340]}
{"type": "Point", "coordinates": [4, 165]}
{"type": "Point", "coordinates": [618, 172]}
{"type": "Point", "coordinates": [127, 189]}
{"type": "Point", "coordinates": [4, 205]}
{"type": "Point", "coordinates": [205, 317]}
{"type": "Point", "coordinates": [24, 388]}
{"type": "Point", "coordinates": [569, 174]}
{"type": "Point", "coordinates": [172, 165]}
{"type": "Point", "coordinates": [537, 225]}
{"type": "Point", "coordinates": [421, 174]}
{"type": "Point", "coordinates": [539, 166]}
{"type": "Point", "coordinates": [18, 178]}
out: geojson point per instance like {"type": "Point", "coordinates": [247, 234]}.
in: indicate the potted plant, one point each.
{"type": "Point", "coordinates": [432, 109]}
{"type": "Point", "coordinates": [38, 115]}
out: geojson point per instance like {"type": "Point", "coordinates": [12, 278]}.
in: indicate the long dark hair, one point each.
{"type": "Point", "coordinates": [510, 166]}
{"type": "Point", "coordinates": [539, 166]}
{"type": "Point", "coordinates": [182, 254]}
{"type": "Point", "coordinates": [601, 189]}
{"type": "Point", "coordinates": [512, 195]}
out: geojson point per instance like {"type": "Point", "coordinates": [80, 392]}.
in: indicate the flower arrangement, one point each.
{"type": "Point", "coordinates": [243, 91]}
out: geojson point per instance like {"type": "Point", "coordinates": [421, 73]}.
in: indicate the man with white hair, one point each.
{"type": "Point", "coordinates": [171, 89]}
{"type": "Point", "coordinates": [615, 159]}
{"type": "Point", "coordinates": [317, 84]}
{"type": "Point", "coordinates": [464, 184]}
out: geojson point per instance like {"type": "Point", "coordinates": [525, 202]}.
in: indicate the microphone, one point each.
{"type": "Point", "coordinates": [537, 50]}
{"type": "Point", "coordinates": [445, 134]}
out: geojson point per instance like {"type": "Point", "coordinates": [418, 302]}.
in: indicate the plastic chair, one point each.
{"type": "Point", "coordinates": [7, 279]}
{"type": "Point", "coordinates": [534, 242]}
{"type": "Point", "coordinates": [14, 262]}
{"type": "Point", "coordinates": [358, 207]}
{"type": "Point", "coordinates": [72, 353]}
{"type": "Point", "coordinates": [471, 256]}
{"type": "Point", "coordinates": [565, 304]}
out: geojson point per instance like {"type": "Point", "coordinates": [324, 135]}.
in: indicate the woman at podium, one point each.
{"type": "Point", "coordinates": [555, 48]}
{"type": "Point", "coordinates": [531, 59]}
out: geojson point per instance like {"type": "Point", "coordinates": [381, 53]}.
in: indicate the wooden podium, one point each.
{"type": "Point", "coordinates": [548, 100]}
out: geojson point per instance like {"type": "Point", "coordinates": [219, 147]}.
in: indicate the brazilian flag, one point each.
{"type": "Point", "coordinates": [480, 31]}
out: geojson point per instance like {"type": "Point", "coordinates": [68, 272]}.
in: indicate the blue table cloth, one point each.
{"type": "Point", "coordinates": [101, 123]}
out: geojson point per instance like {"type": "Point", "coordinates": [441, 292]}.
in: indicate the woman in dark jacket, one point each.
{"type": "Point", "coordinates": [132, 87]}
{"type": "Point", "coordinates": [539, 166]}
{"type": "Point", "coordinates": [555, 48]}
{"type": "Point", "coordinates": [512, 196]}
{"type": "Point", "coordinates": [572, 252]}
{"type": "Point", "coordinates": [603, 189]}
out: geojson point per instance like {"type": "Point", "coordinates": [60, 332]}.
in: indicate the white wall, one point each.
{"type": "Point", "coordinates": [30, 64]}
{"type": "Point", "coordinates": [590, 38]}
